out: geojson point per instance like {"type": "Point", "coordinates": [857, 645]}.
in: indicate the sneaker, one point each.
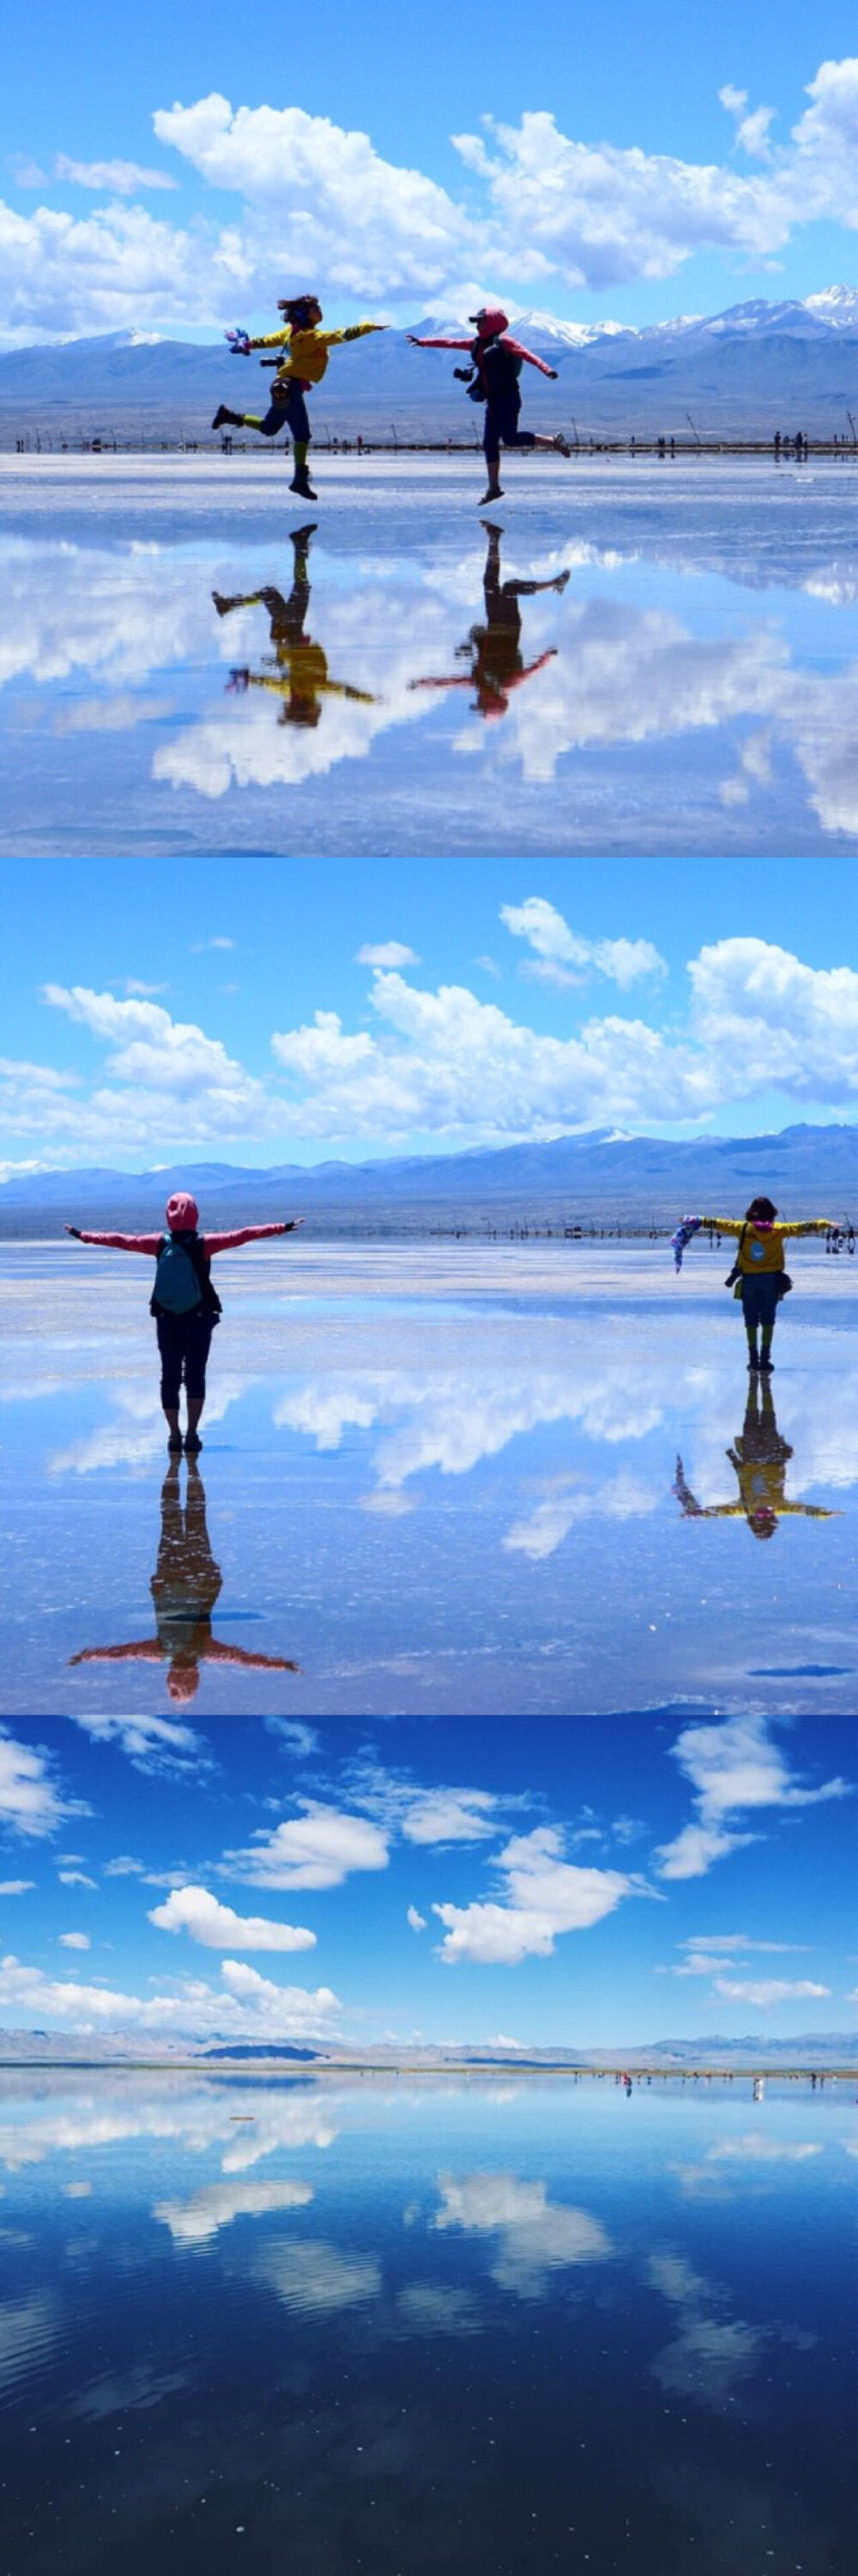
{"type": "Point", "coordinates": [766, 1368]}
{"type": "Point", "coordinates": [754, 1364]}
{"type": "Point", "coordinates": [192, 1443]}
{"type": "Point", "coordinates": [174, 1445]}
{"type": "Point", "coordinates": [562, 444]}
{"type": "Point", "coordinates": [491, 496]}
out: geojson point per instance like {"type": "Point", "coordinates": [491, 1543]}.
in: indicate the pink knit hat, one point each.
{"type": "Point", "coordinates": [181, 1212]}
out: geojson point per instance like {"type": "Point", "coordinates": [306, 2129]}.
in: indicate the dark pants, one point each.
{"type": "Point", "coordinates": [291, 414]}
{"type": "Point", "coordinates": [501, 429]}
{"type": "Point", "coordinates": [760, 1300]}
{"type": "Point", "coordinates": [183, 1341]}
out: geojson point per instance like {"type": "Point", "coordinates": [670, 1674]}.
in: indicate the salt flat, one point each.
{"type": "Point", "coordinates": [183, 671]}
{"type": "Point", "coordinates": [435, 1478]}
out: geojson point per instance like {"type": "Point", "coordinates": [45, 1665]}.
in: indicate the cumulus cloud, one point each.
{"type": "Point", "coordinates": [536, 204]}
{"type": "Point", "coordinates": [417, 1921]}
{"type": "Point", "coordinates": [561, 957]}
{"type": "Point", "coordinates": [735, 1769]}
{"type": "Point", "coordinates": [390, 953]}
{"type": "Point", "coordinates": [217, 1927]}
{"type": "Point", "coordinates": [151, 1743]}
{"type": "Point", "coordinates": [75, 1941]}
{"type": "Point", "coordinates": [30, 1802]}
{"type": "Point", "coordinates": [166, 1069]}
{"type": "Point", "coordinates": [217, 2204]}
{"type": "Point", "coordinates": [15, 1886]}
{"type": "Point", "coordinates": [243, 2006]}
{"type": "Point", "coordinates": [535, 2236]}
{"type": "Point", "coordinates": [320, 1847]}
{"type": "Point", "coordinates": [543, 1895]}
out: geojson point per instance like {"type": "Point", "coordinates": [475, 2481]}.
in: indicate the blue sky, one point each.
{"type": "Point", "coordinates": [645, 194]}
{"type": "Point", "coordinates": [274, 1011]}
{"type": "Point", "coordinates": [574, 1884]}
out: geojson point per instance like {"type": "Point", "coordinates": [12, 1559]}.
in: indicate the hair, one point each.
{"type": "Point", "coordinates": [294, 305]}
{"type": "Point", "coordinates": [764, 1209]}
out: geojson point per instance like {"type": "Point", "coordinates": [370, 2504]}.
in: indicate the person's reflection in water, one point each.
{"type": "Point", "coordinates": [185, 1587]}
{"type": "Point", "coordinates": [494, 650]}
{"type": "Point", "coordinates": [760, 1456]}
{"type": "Point", "coordinates": [300, 667]}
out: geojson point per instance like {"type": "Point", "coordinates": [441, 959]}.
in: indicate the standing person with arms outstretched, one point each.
{"type": "Point", "coordinates": [185, 1306]}
{"type": "Point", "coordinates": [304, 362]}
{"type": "Point", "coordinates": [758, 1278]}
{"type": "Point", "coordinates": [496, 363]}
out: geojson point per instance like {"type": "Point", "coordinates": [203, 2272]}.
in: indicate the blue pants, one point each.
{"type": "Point", "coordinates": [183, 1341]}
{"type": "Point", "coordinates": [760, 1301]}
{"type": "Point", "coordinates": [291, 414]}
{"type": "Point", "coordinates": [501, 429]}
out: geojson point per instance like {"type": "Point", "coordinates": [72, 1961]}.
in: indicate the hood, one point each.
{"type": "Point", "coordinates": [182, 1213]}
{"type": "Point", "coordinates": [490, 319]}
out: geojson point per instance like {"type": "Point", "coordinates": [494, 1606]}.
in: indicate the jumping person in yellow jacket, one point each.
{"type": "Point", "coordinates": [760, 1276]}
{"type": "Point", "coordinates": [303, 364]}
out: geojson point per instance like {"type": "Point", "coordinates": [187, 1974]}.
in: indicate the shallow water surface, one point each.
{"type": "Point", "coordinates": [434, 1478]}
{"type": "Point", "coordinates": [405, 2325]}
{"type": "Point", "coordinates": [633, 657]}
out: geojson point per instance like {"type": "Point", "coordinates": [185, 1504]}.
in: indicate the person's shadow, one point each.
{"type": "Point", "coordinates": [760, 1458]}
{"type": "Point", "coordinates": [493, 651]}
{"type": "Point", "coordinates": [297, 670]}
{"type": "Point", "coordinates": [185, 1588]}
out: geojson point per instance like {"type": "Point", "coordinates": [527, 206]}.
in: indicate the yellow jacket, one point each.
{"type": "Point", "coordinates": [306, 352]}
{"type": "Point", "coordinates": [762, 1250]}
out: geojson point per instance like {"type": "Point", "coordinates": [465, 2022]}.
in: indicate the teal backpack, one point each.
{"type": "Point", "coordinates": [182, 1281]}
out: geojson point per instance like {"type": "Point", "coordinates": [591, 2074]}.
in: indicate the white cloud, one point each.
{"type": "Point", "coordinates": [300, 1739]}
{"type": "Point", "coordinates": [713, 2354]}
{"type": "Point", "coordinates": [29, 1801]}
{"type": "Point", "coordinates": [122, 1867]}
{"type": "Point", "coordinates": [561, 957]}
{"type": "Point", "coordinates": [315, 2279]}
{"type": "Point", "coordinates": [111, 178]}
{"type": "Point", "coordinates": [543, 1896]}
{"type": "Point", "coordinates": [217, 2204]}
{"type": "Point", "coordinates": [771, 1990]}
{"type": "Point", "coordinates": [217, 1927]}
{"type": "Point", "coordinates": [166, 1069]}
{"type": "Point", "coordinates": [536, 2236]}
{"type": "Point", "coordinates": [75, 1878]}
{"type": "Point", "coordinates": [15, 1886]}
{"type": "Point", "coordinates": [390, 953]}
{"type": "Point", "coordinates": [417, 1921]}
{"type": "Point", "coordinates": [75, 1941]}
{"type": "Point", "coordinates": [243, 2006]}
{"type": "Point", "coordinates": [450, 1816]}
{"type": "Point", "coordinates": [151, 1743]}
{"type": "Point", "coordinates": [735, 1769]}
{"type": "Point", "coordinates": [318, 1848]}
{"type": "Point", "coordinates": [536, 204]}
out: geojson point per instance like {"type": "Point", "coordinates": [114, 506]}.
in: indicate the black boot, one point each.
{"type": "Point", "coordinates": [301, 484]}
{"type": "Point", "coordinates": [224, 419]}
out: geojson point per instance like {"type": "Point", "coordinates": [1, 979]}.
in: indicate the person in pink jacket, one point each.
{"type": "Point", "coordinates": [184, 1303]}
{"type": "Point", "coordinates": [496, 361]}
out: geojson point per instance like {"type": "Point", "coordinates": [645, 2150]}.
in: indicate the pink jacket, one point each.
{"type": "Point", "coordinates": [211, 1242]}
{"type": "Point", "coordinates": [506, 342]}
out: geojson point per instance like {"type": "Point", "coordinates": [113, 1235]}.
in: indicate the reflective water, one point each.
{"type": "Point", "coordinates": [636, 657]}
{"type": "Point", "coordinates": [434, 1478]}
{"type": "Point", "coordinates": [402, 2326]}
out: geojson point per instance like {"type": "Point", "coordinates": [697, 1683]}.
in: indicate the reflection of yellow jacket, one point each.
{"type": "Point", "coordinates": [306, 352]}
{"type": "Point", "coordinates": [763, 1248]}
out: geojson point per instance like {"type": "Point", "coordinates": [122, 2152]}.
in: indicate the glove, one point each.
{"type": "Point", "coordinates": [75, 1230]}
{"type": "Point", "coordinates": [239, 343]}
{"type": "Point", "coordinates": [237, 683]}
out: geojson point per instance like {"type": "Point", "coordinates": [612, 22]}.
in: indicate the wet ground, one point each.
{"type": "Point", "coordinates": [524, 1478]}
{"type": "Point", "coordinates": [634, 657]}
{"type": "Point", "coordinates": [475, 2326]}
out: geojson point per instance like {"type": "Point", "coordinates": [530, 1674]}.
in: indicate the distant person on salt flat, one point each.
{"type": "Point", "coordinates": [304, 362]}
{"type": "Point", "coordinates": [299, 673]}
{"type": "Point", "coordinates": [758, 1278]}
{"type": "Point", "coordinates": [494, 650]}
{"type": "Point", "coordinates": [184, 1303]}
{"type": "Point", "coordinates": [760, 1456]}
{"type": "Point", "coordinates": [185, 1587]}
{"type": "Point", "coordinates": [496, 361]}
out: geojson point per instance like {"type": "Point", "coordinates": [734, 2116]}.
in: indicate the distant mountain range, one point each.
{"type": "Point", "coordinates": [753, 369]}
{"type": "Point", "coordinates": [600, 1178]}
{"type": "Point", "coordinates": [826, 2051]}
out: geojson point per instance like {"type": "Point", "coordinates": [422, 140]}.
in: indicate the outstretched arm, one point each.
{"type": "Point", "coordinates": [147, 1651]}
{"type": "Point", "coordinates": [248, 1234]}
{"type": "Point", "coordinates": [355, 331]}
{"type": "Point", "coordinates": [437, 344]}
{"type": "Point", "coordinates": [215, 1652]}
{"type": "Point", "coordinates": [520, 352]}
{"type": "Point", "coordinates": [812, 1225]}
{"type": "Point", "coordinates": [118, 1242]}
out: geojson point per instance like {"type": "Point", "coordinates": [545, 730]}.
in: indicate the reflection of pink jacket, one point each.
{"type": "Point", "coordinates": [211, 1243]}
